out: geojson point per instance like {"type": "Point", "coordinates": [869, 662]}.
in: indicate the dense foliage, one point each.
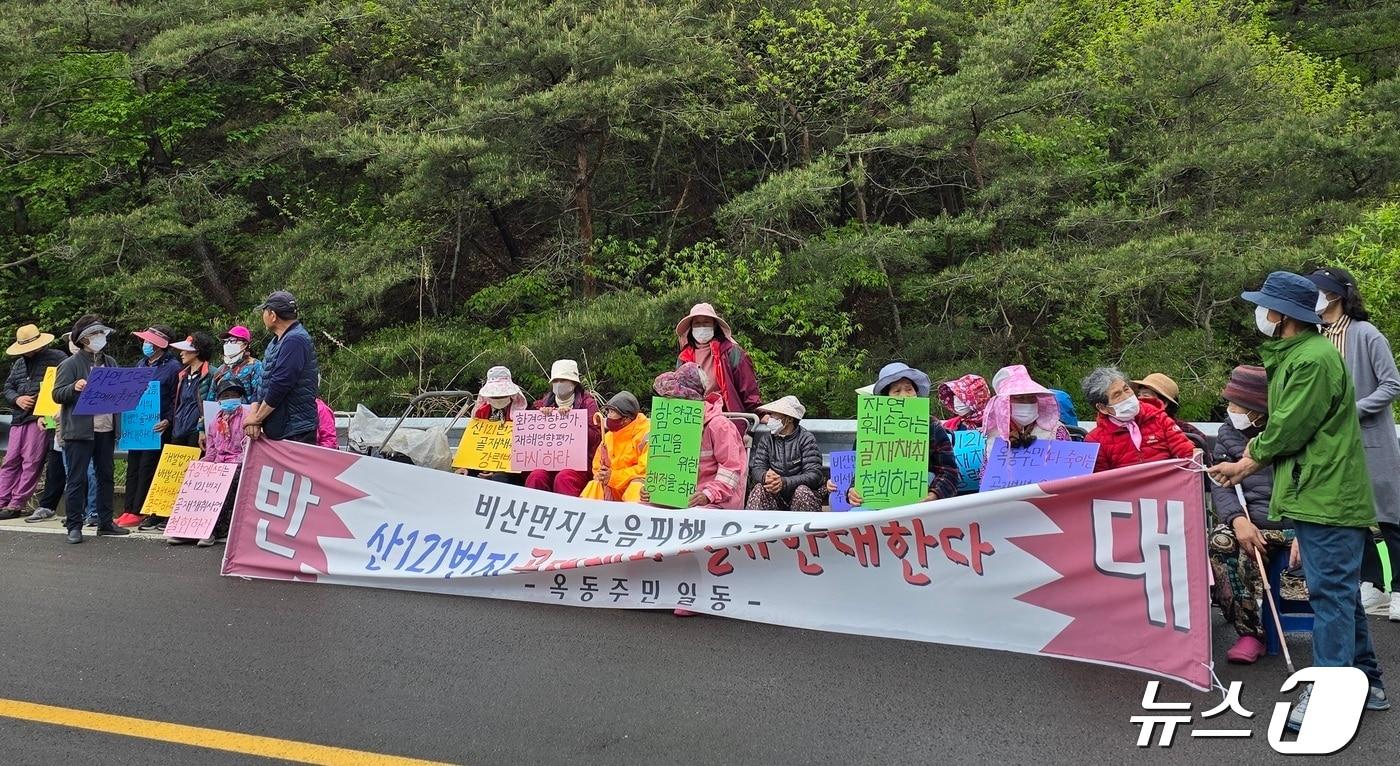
{"type": "Point", "coordinates": [452, 184]}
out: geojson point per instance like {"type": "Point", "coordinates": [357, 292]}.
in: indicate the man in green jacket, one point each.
{"type": "Point", "coordinates": [1313, 442]}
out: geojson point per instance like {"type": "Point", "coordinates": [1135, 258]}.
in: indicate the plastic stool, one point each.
{"type": "Point", "coordinates": [1294, 616]}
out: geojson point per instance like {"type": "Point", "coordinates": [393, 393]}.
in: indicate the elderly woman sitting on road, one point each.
{"type": "Point", "coordinates": [1130, 430]}
{"type": "Point", "coordinates": [786, 468]}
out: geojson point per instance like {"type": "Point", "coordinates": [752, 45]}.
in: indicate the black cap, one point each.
{"type": "Point", "coordinates": [232, 384]}
{"type": "Point", "coordinates": [281, 302]}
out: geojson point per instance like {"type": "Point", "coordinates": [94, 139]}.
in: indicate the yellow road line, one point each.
{"type": "Point", "coordinates": [195, 736]}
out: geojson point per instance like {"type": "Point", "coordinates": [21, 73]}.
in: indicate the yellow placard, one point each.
{"type": "Point", "coordinates": [485, 446]}
{"type": "Point", "coordinates": [45, 406]}
{"type": "Point", "coordinates": [170, 475]}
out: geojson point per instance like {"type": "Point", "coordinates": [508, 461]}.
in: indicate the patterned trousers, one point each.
{"type": "Point", "coordinates": [1239, 586]}
{"type": "Point", "coordinates": [804, 499]}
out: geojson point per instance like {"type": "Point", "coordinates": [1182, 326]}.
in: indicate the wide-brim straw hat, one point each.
{"type": "Point", "coordinates": [28, 338]}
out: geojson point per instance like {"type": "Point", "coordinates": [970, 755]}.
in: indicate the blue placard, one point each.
{"type": "Point", "coordinates": [1043, 460]}
{"type": "Point", "coordinates": [970, 450]}
{"type": "Point", "coordinates": [138, 425]}
{"type": "Point", "coordinates": [113, 389]}
{"type": "Point", "coordinates": [843, 474]}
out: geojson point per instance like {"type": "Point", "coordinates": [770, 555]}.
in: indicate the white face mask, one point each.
{"type": "Point", "coordinates": [1126, 410]}
{"type": "Point", "coordinates": [1025, 414]}
{"type": "Point", "coordinates": [1241, 421]}
{"type": "Point", "coordinates": [961, 407]}
{"type": "Point", "coordinates": [564, 390]}
{"type": "Point", "coordinates": [233, 351]}
{"type": "Point", "coordinates": [1261, 320]}
{"type": "Point", "coordinates": [499, 402]}
{"type": "Point", "coordinates": [776, 425]}
{"type": "Point", "coordinates": [703, 334]}
{"type": "Point", "coordinates": [97, 342]}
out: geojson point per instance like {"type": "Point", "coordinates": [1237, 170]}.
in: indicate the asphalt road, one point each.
{"type": "Point", "coordinates": [136, 628]}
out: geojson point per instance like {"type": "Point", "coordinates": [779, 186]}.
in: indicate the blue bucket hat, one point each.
{"type": "Point", "coordinates": [1289, 294]}
{"type": "Point", "coordinates": [893, 372]}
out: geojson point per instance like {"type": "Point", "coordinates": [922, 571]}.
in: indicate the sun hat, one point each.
{"type": "Point", "coordinates": [895, 371]}
{"type": "Point", "coordinates": [154, 337]}
{"type": "Point", "coordinates": [788, 405]}
{"type": "Point", "coordinates": [697, 311]}
{"type": "Point", "coordinates": [1163, 385]}
{"type": "Point", "coordinates": [499, 384]}
{"type": "Point", "coordinates": [185, 345]}
{"type": "Point", "coordinates": [28, 338]}
{"type": "Point", "coordinates": [565, 369]}
{"type": "Point", "coordinates": [1288, 294]}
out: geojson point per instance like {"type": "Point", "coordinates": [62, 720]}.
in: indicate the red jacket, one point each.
{"type": "Point", "coordinates": [1162, 439]}
{"type": "Point", "coordinates": [739, 384]}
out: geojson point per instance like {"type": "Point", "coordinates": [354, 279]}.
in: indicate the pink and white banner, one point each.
{"type": "Point", "coordinates": [1108, 569]}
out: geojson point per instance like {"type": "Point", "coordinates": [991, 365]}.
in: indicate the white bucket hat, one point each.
{"type": "Point", "coordinates": [788, 405]}
{"type": "Point", "coordinates": [499, 384]}
{"type": "Point", "coordinates": [565, 369]}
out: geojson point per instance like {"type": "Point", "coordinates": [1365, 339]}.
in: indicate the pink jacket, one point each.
{"type": "Point", "coordinates": [325, 426]}
{"type": "Point", "coordinates": [722, 459]}
{"type": "Point", "coordinates": [224, 438]}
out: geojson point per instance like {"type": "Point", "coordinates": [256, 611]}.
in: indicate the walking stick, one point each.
{"type": "Point", "coordinates": [1273, 610]}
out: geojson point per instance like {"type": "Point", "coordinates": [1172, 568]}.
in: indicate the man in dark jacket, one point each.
{"type": "Point", "coordinates": [287, 406]}
{"type": "Point", "coordinates": [29, 444]}
{"type": "Point", "coordinates": [86, 438]}
{"type": "Point", "coordinates": [785, 470]}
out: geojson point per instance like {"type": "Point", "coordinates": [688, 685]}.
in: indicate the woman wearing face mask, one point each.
{"type": "Point", "coordinates": [225, 444]}
{"type": "Point", "coordinates": [1130, 431]}
{"type": "Point", "coordinates": [498, 399]}
{"type": "Point", "coordinates": [1243, 513]}
{"type": "Point", "coordinates": [566, 393]}
{"type": "Point", "coordinates": [785, 471]}
{"type": "Point", "coordinates": [1022, 411]}
{"type": "Point", "coordinates": [967, 399]}
{"type": "Point", "coordinates": [1368, 359]}
{"type": "Point", "coordinates": [707, 341]}
{"type": "Point", "coordinates": [239, 363]}
{"type": "Point", "coordinates": [87, 439]}
{"type": "Point", "coordinates": [193, 387]}
{"type": "Point", "coordinates": [141, 464]}
{"type": "Point", "coordinates": [620, 464]}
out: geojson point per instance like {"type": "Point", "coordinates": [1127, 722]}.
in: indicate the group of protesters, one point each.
{"type": "Point", "coordinates": [1307, 464]}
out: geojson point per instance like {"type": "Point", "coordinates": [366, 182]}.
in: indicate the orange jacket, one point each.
{"type": "Point", "coordinates": [625, 453]}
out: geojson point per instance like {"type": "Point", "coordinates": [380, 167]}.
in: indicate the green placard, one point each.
{"type": "Point", "coordinates": [673, 459]}
{"type": "Point", "coordinates": [891, 450]}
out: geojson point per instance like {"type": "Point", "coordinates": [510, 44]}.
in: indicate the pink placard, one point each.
{"type": "Point", "coordinates": [550, 442]}
{"type": "Point", "coordinates": [201, 498]}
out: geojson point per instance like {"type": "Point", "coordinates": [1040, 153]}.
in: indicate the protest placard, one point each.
{"type": "Point", "coordinates": [139, 425]}
{"type": "Point", "coordinates": [970, 450]}
{"type": "Point", "coordinates": [485, 446]}
{"type": "Point", "coordinates": [891, 450]}
{"type": "Point", "coordinates": [170, 474]}
{"type": "Point", "coordinates": [843, 473]}
{"type": "Point", "coordinates": [44, 405]}
{"type": "Point", "coordinates": [673, 459]}
{"type": "Point", "coordinates": [550, 442]}
{"type": "Point", "coordinates": [111, 390]}
{"type": "Point", "coordinates": [1043, 460]}
{"type": "Point", "coordinates": [202, 495]}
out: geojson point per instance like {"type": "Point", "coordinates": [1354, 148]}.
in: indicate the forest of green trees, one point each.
{"type": "Point", "coordinates": [452, 184]}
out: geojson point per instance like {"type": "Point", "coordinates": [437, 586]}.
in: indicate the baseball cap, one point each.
{"type": "Point", "coordinates": [281, 302]}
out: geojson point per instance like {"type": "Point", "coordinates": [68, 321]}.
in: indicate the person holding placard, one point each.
{"type": "Point", "coordinates": [898, 379]}
{"type": "Point", "coordinates": [498, 399]}
{"type": "Point", "coordinates": [224, 442]}
{"type": "Point", "coordinates": [567, 393]}
{"type": "Point", "coordinates": [722, 456]}
{"type": "Point", "coordinates": [707, 342]}
{"type": "Point", "coordinates": [620, 464]}
{"type": "Point", "coordinates": [967, 399]}
{"type": "Point", "coordinates": [193, 386]}
{"type": "Point", "coordinates": [29, 445]}
{"type": "Point", "coordinates": [141, 464]}
{"type": "Point", "coordinates": [785, 471]}
{"type": "Point", "coordinates": [86, 438]}
{"type": "Point", "coordinates": [1022, 411]}
{"type": "Point", "coordinates": [1131, 431]}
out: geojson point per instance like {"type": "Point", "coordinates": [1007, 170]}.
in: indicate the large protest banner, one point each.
{"type": "Point", "coordinates": [1108, 569]}
{"type": "Point", "coordinates": [891, 450]}
{"type": "Point", "coordinates": [485, 446]}
{"type": "Point", "coordinates": [551, 442]}
{"type": "Point", "coordinates": [110, 390]}
{"type": "Point", "coordinates": [139, 425]}
{"type": "Point", "coordinates": [673, 455]}
{"type": "Point", "coordinates": [170, 475]}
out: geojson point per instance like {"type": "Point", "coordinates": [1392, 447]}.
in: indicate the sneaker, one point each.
{"type": "Point", "coordinates": [91, 522]}
{"type": "Point", "coordinates": [39, 515]}
{"type": "Point", "coordinates": [128, 520]}
{"type": "Point", "coordinates": [149, 523]}
{"type": "Point", "coordinates": [112, 530]}
{"type": "Point", "coordinates": [9, 513]}
{"type": "Point", "coordinates": [1377, 700]}
{"type": "Point", "coordinates": [1246, 651]}
{"type": "Point", "coordinates": [1395, 607]}
{"type": "Point", "coordinates": [180, 541]}
{"type": "Point", "coordinates": [209, 542]}
{"type": "Point", "coordinates": [1300, 709]}
{"type": "Point", "coordinates": [1374, 600]}
{"type": "Point", "coordinates": [75, 535]}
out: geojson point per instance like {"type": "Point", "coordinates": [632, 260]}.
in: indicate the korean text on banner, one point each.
{"type": "Point", "coordinates": [170, 475]}
{"type": "Point", "coordinates": [45, 406]}
{"type": "Point", "coordinates": [485, 446]}
{"type": "Point", "coordinates": [111, 390]}
{"type": "Point", "coordinates": [1043, 460]}
{"type": "Point", "coordinates": [970, 450]}
{"type": "Point", "coordinates": [843, 474]}
{"type": "Point", "coordinates": [1109, 568]}
{"type": "Point", "coordinates": [139, 425]}
{"type": "Point", "coordinates": [673, 459]}
{"type": "Point", "coordinates": [551, 442]}
{"type": "Point", "coordinates": [202, 495]}
{"type": "Point", "coordinates": [891, 450]}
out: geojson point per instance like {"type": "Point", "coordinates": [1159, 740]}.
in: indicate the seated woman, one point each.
{"type": "Point", "coordinates": [498, 399]}
{"type": "Point", "coordinates": [1244, 517]}
{"type": "Point", "coordinates": [1022, 411]}
{"type": "Point", "coordinates": [785, 470]}
{"type": "Point", "coordinates": [722, 455]}
{"type": "Point", "coordinates": [707, 341]}
{"type": "Point", "coordinates": [967, 399]}
{"type": "Point", "coordinates": [567, 393]}
{"type": "Point", "coordinates": [1164, 391]}
{"type": "Point", "coordinates": [900, 380]}
{"type": "Point", "coordinates": [620, 464]}
{"type": "Point", "coordinates": [1129, 430]}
